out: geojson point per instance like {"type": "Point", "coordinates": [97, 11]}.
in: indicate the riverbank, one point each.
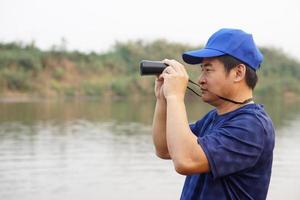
{"type": "Point", "coordinates": [27, 72]}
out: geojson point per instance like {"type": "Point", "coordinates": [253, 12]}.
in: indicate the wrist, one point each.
{"type": "Point", "coordinates": [174, 98]}
{"type": "Point", "coordinates": [161, 101]}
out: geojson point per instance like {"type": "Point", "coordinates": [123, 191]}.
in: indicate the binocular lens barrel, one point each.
{"type": "Point", "coordinates": [148, 67]}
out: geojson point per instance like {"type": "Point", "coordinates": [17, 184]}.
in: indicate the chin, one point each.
{"type": "Point", "coordinates": [209, 99]}
{"type": "Point", "coordinates": [205, 99]}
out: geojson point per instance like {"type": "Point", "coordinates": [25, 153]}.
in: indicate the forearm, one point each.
{"type": "Point", "coordinates": [187, 155]}
{"type": "Point", "coordinates": [181, 141]}
{"type": "Point", "coordinates": [159, 129]}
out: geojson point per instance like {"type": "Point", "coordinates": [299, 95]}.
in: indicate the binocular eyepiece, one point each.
{"type": "Point", "coordinates": [148, 67]}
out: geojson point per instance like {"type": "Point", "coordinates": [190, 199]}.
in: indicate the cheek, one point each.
{"type": "Point", "coordinates": [219, 84]}
{"type": "Point", "coordinates": [215, 80]}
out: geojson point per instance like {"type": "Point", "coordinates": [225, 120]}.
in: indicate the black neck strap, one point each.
{"type": "Point", "coordinates": [236, 102]}
{"type": "Point", "coordinates": [223, 98]}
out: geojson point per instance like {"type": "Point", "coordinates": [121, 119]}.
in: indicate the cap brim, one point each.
{"type": "Point", "coordinates": [196, 57]}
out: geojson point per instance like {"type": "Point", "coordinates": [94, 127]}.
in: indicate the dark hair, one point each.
{"type": "Point", "coordinates": [231, 62]}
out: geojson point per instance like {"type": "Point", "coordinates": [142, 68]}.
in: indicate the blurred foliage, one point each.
{"type": "Point", "coordinates": [26, 69]}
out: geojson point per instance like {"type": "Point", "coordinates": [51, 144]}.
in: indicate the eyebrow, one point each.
{"type": "Point", "coordinates": [206, 65]}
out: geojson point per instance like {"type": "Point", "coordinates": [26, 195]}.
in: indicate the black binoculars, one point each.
{"type": "Point", "coordinates": [148, 67]}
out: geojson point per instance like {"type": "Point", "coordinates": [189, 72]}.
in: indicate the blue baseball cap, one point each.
{"type": "Point", "coordinates": [233, 42]}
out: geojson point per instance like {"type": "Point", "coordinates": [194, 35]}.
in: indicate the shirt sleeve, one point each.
{"type": "Point", "coordinates": [235, 146]}
{"type": "Point", "coordinates": [193, 128]}
{"type": "Point", "coordinates": [196, 127]}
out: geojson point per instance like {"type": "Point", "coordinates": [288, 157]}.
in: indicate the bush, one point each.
{"type": "Point", "coordinates": [58, 72]}
{"type": "Point", "coordinates": [120, 86]}
{"type": "Point", "coordinates": [92, 88]}
{"type": "Point", "coordinates": [63, 89]}
{"type": "Point", "coordinates": [16, 79]}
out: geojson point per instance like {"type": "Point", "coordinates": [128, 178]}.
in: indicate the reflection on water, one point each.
{"type": "Point", "coordinates": [103, 150]}
{"type": "Point", "coordinates": [286, 175]}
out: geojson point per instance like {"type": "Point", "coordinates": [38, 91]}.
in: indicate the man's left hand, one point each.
{"type": "Point", "coordinates": [175, 80]}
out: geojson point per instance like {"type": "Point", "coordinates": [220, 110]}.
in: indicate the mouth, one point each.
{"type": "Point", "coordinates": [204, 91]}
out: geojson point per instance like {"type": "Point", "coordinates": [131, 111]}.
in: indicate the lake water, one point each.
{"type": "Point", "coordinates": [103, 150]}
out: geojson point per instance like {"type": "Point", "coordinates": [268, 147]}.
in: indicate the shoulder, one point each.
{"type": "Point", "coordinates": [206, 118]}
{"type": "Point", "coordinates": [208, 115]}
{"type": "Point", "coordinates": [198, 125]}
{"type": "Point", "coordinates": [251, 120]}
{"type": "Point", "coordinates": [250, 115]}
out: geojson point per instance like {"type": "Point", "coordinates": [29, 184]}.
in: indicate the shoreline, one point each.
{"type": "Point", "coordinates": [288, 97]}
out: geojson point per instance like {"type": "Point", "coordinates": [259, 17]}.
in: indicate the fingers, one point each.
{"type": "Point", "coordinates": [161, 76]}
{"type": "Point", "coordinates": [169, 70]}
{"type": "Point", "coordinates": [172, 64]}
{"type": "Point", "coordinates": [178, 67]}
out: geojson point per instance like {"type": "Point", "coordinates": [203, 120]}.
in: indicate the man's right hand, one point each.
{"type": "Point", "coordinates": [159, 88]}
{"type": "Point", "coordinates": [159, 121]}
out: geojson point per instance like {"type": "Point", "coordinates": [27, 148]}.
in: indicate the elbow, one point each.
{"type": "Point", "coordinates": [182, 169]}
{"type": "Point", "coordinates": [188, 167]}
{"type": "Point", "coordinates": [163, 155]}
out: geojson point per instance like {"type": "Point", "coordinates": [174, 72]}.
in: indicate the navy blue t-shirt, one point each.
{"type": "Point", "coordinates": [239, 148]}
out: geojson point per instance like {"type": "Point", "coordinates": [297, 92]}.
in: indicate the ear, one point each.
{"type": "Point", "coordinates": [239, 73]}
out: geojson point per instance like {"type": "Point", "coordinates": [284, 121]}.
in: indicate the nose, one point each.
{"type": "Point", "coordinates": [201, 79]}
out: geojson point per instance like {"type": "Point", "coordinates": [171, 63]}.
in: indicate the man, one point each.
{"type": "Point", "coordinates": [228, 153]}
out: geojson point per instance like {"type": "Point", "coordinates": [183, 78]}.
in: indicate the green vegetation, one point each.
{"type": "Point", "coordinates": [27, 70]}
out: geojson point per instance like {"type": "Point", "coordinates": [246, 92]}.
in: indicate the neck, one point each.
{"type": "Point", "coordinates": [225, 106]}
